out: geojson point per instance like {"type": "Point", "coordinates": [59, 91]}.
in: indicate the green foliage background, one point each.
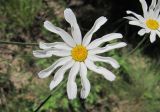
{"type": "Point", "coordinates": [136, 88]}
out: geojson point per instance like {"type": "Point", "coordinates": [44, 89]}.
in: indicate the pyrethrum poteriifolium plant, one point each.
{"type": "Point", "coordinates": [150, 21]}
{"type": "Point", "coordinates": [78, 54]}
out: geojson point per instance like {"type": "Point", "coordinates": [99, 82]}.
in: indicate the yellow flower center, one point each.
{"type": "Point", "coordinates": [152, 24]}
{"type": "Point", "coordinates": [79, 53]}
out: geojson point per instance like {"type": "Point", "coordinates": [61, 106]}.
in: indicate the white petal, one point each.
{"type": "Point", "coordinates": [136, 15]}
{"type": "Point", "coordinates": [137, 23]}
{"type": "Point", "coordinates": [144, 7]}
{"type": "Point", "coordinates": [43, 53]}
{"type": "Point", "coordinates": [158, 20]}
{"type": "Point", "coordinates": [153, 4]}
{"type": "Point", "coordinates": [62, 53]}
{"type": "Point", "coordinates": [156, 8]}
{"type": "Point", "coordinates": [131, 18]}
{"type": "Point", "coordinates": [107, 48]}
{"type": "Point", "coordinates": [58, 45]}
{"type": "Point", "coordinates": [64, 35]}
{"type": "Point", "coordinates": [98, 23]}
{"type": "Point", "coordinates": [156, 13]}
{"type": "Point", "coordinates": [100, 70]}
{"type": "Point", "coordinates": [49, 52]}
{"type": "Point", "coordinates": [71, 84]}
{"type": "Point", "coordinates": [153, 36]}
{"type": "Point", "coordinates": [142, 32]}
{"type": "Point", "coordinates": [84, 81]}
{"type": "Point", "coordinates": [109, 60]}
{"type": "Point", "coordinates": [71, 19]}
{"type": "Point", "coordinates": [46, 72]}
{"type": "Point", "coordinates": [151, 14]}
{"type": "Point", "coordinates": [58, 77]}
{"type": "Point", "coordinates": [103, 39]}
{"type": "Point", "coordinates": [157, 5]}
{"type": "Point", "coordinates": [158, 33]}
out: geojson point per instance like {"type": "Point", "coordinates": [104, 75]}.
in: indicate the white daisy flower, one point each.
{"type": "Point", "coordinates": [150, 21]}
{"type": "Point", "coordinates": [78, 54]}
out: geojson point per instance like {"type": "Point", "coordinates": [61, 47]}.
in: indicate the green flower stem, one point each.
{"type": "Point", "coordinates": [48, 97]}
{"type": "Point", "coordinates": [18, 43]}
{"type": "Point", "coordinates": [42, 103]}
{"type": "Point", "coordinates": [139, 44]}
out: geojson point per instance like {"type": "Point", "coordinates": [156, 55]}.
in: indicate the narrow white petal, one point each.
{"type": "Point", "coordinates": [107, 48]}
{"type": "Point", "coordinates": [137, 23]}
{"type": "Point", "coordinates": [43, 53]}
{"type": "Point", "coordinates": [142, 32]}
{"type": "Point", "coordinates": [109, 60]}
{"type": "Point", "coordinates": [58, 45]}
{"type": "Point", "coordinates": [49, 52]}
{"type": "Point", "coordinates": [136, 15]}
{"type": "Point", "coordinates": [153, 36]}
{"type": "Point", "coordinates": [46, 72]}
{"type": "Point", "coordinates": [62, 53]}
{"type": "Point", "coordinates": [157, 6]}
{"type": "Point", "coordinates": [156, 13]}
{"type": "Point", "coordinates": [64, 35]}
{"type": "Point", "coordinates": [75, 30]}
{"type": "Point", "coordinates": [151, 14]}
{"type": "Point", "coordinates": [153, 4]}
{"type": "Point", "coordinates": [71, 84]}
{"type": "Point", "coordinates": [98, 23]}
{"type": "Point", "coordinates": [158, 33]}
{"type": "Point", "coordinates": [58, 77]}
{"type": "Point", "coordinates": [100, 70]}
{"type": "Point", "coordinates": [144, 7]}
{"type": "Point", "coordinates": [84, 81]}
{"type": "Point", "coordinates": [131, 18]}
{"type": "Point", "coordinates": [103, 39]}
{"type": "Point", "coordinates": [158, 19]}
{"type": "Point", "coordinates": [157, 9]}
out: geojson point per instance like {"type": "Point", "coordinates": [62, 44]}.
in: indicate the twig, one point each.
{"type": "Point", "coordinates": [18, 43]}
